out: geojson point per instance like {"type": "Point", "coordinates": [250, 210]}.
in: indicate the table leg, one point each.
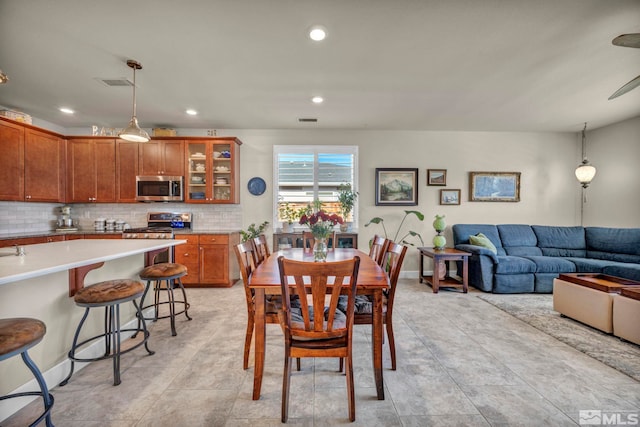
{"type": "Point", "coordinates": [421, 266]}
{"type": "Point", "coordinates": [259, 345]}
{"type": "Point", "coordinates": [377, 342]}
{"type": "Point", "coordinates": [435, 281]}
{"type": "Point", "coordinates": [465, 274]}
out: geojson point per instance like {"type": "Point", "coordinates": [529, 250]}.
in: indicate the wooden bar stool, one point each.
{"type": "Point", "coordinates": [170, 274]}
{"type": "Point", "coordinates": [109, 294]}
{"type": "Point", "coordinates": [17, 335]}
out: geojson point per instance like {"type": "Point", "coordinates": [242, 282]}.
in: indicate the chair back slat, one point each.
{"type": "Point", "coordinates": [245, 253]}
{"type": "Point", "coordinates": [378, 247]}
{"type": "Point", "coordinates": [392, 260]}
{"type": "Point", "coordinates": [261, 248]}
{"type": "Point", "coordinates": [319, 286]}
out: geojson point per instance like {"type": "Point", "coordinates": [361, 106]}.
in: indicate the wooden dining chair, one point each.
{"type": "Point", "coordinates": [261, 248]}
{"type": "Point", "coordinates": [308, 241]}
{"type": "Point", "coordinates": [318, 286]}
{"type": "Point", "coordinates": [246, 254]}
{"type": "Point", "coordinates": [378, 246]}
{"type": "Point", "coordinates": [392, 259]}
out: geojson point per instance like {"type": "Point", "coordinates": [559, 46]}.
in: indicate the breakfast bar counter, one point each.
{"type": "Point", "coordinates": [37, 285]}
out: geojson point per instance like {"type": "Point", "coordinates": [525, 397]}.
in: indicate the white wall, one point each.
{"type": "Point", "coordinates": [613, 198]}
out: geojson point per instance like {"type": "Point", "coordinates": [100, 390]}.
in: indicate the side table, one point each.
{"type": "Point", "coordinates": [440, 260]}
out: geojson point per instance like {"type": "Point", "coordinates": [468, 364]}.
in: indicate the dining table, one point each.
{"type": "Point", "coordinates": [265, 280]}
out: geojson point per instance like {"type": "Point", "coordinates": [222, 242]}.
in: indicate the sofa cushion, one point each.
{"type": "Point", "coordinates": [483, 241]}
{"type": "Point", "coordinates": [548, 264]}
{"type": "Point", "coordinates": [588, 265]}
{"type": "Point", "coordinates": [514, 265]}
{"type": "Point", "coordinates": [561, 241]}
{"type": "Point", "coordinates": [461, 233]}
{"type": "Point", "coordinates": [519, 240]}
{"type": "Point", "coordinates": [628, 271]}
{"type": "Point", "coordinates": [614, 244]}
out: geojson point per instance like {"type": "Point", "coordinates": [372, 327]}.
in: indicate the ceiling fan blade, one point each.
{"type": "Point", "coordinates": [627, 40]}
{"type": "Point", "coordinates": [626, 88]}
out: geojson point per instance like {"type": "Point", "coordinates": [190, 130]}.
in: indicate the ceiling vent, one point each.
{"type": "Point", "coordinates": [308, 120]}
{"type": "Point", "coordinates": [121, 81]}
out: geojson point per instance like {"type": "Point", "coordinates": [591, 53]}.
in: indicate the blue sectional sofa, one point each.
{"type": "Point", "coordinates": [528, 257]}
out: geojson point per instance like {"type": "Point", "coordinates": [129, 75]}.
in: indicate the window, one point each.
{"type": "Point", "coordinates": [303, 173]}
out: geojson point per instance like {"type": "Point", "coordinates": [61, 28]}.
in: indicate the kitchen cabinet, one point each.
{"type": "Point", "coordinates": [91, 175]}
{"type": "Point", "coordinates": [213, 170]}
{"type": "Point", "coordinates": [32, 164]}
{"type": "Point", "coordinates": [209, 259]}
{"type": "Point", "coordinates": [162, 157]}
{"type": "Point", "coordinates": [11, 161]}
{"type": "Point", "coordinates": [127, 159]}
{"type": "Point", "coordinates": [21, 241]}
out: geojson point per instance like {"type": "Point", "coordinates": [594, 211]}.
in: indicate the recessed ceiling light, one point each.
{"type": "Point", "coordinates": [191, 112]}
{"type": "Point", "coordinates": [66, 110]}
{"type": "Point", "coordinates": [317, 33]}
{"type": "Point", "coordinates": [317, 100]}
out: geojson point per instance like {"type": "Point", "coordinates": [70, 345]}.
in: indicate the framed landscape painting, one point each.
{"type": "Point", "coordinates": [396, 186]}
{"type": "Point", "coordinates": [436, 177]}
{"type": "Point", "coordinates": [450, 197]}
{"type": "Point", "coordinates": [494, 186]}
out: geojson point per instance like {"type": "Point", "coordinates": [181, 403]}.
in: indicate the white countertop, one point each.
{"type": "Point", "coordinates": [46, 258]}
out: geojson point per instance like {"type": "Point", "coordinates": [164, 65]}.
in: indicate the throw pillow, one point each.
{"type": "Point", "coordinates": [482, 240]}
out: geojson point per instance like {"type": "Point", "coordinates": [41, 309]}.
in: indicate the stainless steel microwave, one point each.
{"type": "Point", "coordinates": [159, 188]}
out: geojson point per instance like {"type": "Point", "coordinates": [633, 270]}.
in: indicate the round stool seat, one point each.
{"type": "Point", "coordinates": [18, 334]}
{"type": "Point", "coordinates": [109, 291]}
{"type": "Point", "coordinates": [163, 271]}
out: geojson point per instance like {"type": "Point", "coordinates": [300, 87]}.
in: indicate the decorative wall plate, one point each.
{"type": "Point", "coordinates": [256, 186]}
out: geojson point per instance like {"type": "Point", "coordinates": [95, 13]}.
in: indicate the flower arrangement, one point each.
{"type": "Point", "coordinates": [321, 223]}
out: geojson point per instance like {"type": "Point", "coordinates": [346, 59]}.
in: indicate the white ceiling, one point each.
{"type": "Point", "coordinates": [473, 65]}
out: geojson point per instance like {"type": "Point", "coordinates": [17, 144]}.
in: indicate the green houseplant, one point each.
{"type": "Point", "coordinates": [253, 231]}
{"type": "Point", "coordinates": [288, 214]}
{"type": "Point", "coordinates": [347, 198]}
{"type": "Point", "coordinates": [419, 215]}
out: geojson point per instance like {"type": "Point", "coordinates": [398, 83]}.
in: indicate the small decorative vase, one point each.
{"type": "Point", "coordinates": [438, 224]}
{"type": "Point", "coordinates": [344, 227]}
{"type": "Point", "coordinates": [439, 241]}
{"type": "Point", "coordinates": [286, 227]}
{"type": "Point", "coordinates": [320, 249]}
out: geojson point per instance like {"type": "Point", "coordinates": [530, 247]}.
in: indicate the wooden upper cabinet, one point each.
{"type": "Point", "coordinates": [213, 170]}
{"type": "Point", "coordinates": [127, 159]}
{"type": "Point", "coordinates": [44, 167]}
{"type": "Point", "coordinates": [91, 170]}
{"type": "Point", "coordinates": [162, 157]}
{"type": "Point", "coordinates": [11, 161]}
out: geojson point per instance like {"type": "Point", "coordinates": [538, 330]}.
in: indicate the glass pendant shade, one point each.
{"type": "Point", "coordinates": [585, 173]}
{"type": "Point", "coordinates": [133, 132]}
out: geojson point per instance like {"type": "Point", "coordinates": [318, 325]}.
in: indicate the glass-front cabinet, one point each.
{"type": "Point", "coordinates": [213, 170]}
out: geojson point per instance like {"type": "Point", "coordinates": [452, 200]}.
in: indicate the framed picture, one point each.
{"type": "Point", "coordinates": [494, 186]}
{"type": "Point", "coordinates": [449, 197]}
{"type": "Point", "coordinates": [396, 187]}
{"type": "Point", "coordinates": [436, 177]}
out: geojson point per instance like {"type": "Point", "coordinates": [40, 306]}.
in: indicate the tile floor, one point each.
{"type": "Point", "coordinates": [461, 362]}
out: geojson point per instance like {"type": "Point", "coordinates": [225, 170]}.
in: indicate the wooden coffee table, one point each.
{"type": "Point", "coordinates": [440, 261]}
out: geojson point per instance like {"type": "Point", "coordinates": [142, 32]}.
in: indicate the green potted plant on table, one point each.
{"type": "Point", "coordinates": [396, 238]}
{"type": "Point", "coordinates": [288, 214]}
{"type": "Point", "coordinates": [253, 231]}
{"type": "Point", "coordinates": [347, 198]}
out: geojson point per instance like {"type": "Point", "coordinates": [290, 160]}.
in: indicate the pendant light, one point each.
{"type": "Point", "coordinates": [585, 171]}
{"type": "Point", "coordinates": [133, 132]}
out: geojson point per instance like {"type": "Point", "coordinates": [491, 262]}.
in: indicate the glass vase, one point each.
{"type": "Point", "coordinates": [320, 249]}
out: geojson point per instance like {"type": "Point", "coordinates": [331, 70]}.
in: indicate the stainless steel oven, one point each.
{"type": "Point", "coordinates": [160, 225]}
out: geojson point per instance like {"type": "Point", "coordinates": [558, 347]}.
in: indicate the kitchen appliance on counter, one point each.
{"type": "Point", "coordinates": [65, 222]}
{"type": "Point", "coordinates": [159, 188]}
{"type": "Point", "coordinates": [160, 225]}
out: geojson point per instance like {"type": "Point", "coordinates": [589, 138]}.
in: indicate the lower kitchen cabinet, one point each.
{"type": "Point", "coordinates": [209, 259]}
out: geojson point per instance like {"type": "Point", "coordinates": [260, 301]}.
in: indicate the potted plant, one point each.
{"type": "Point", "coordinates": [418, 214]}
{"type": "Point", "coordinates": [253, 231]}
{"type": "Point", "coordinates": [288, 214]}
{"type": "Point", "coordinates": [347, 198]}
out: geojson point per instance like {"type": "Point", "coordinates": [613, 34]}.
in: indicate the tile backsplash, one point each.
{"type": "Point", "coordinates": [20, 217]}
